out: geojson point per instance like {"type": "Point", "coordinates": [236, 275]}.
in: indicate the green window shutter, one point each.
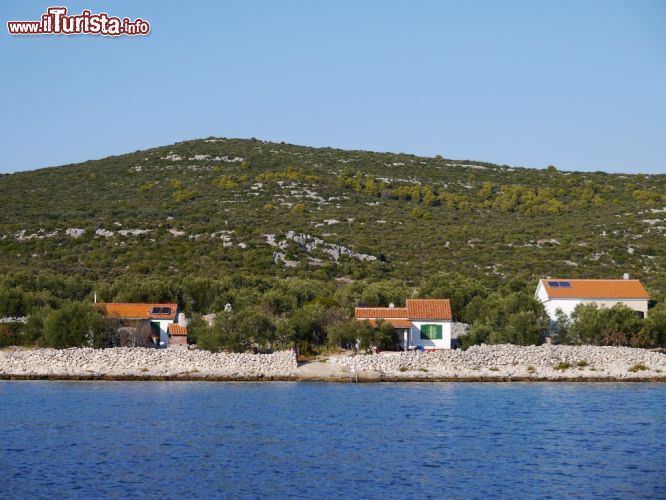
{"type": "Point", "coordinates": [432, 332]}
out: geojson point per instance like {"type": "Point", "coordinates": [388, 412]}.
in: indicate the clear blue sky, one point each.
{"type": "Point", "coordinates": [577, 84]}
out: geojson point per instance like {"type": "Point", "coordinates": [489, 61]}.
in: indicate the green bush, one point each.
{"type": "Point", "coordinates": [509, 317]}
{"type": "Point", "coordinates": [597, 326]}
{"type": "Point", "coordinates": [12, 303]}
{"type": "Point", "coordinates": [562, 365]}
{"type": "Point", "coordinates": [74, 325]}
{"type": "Point", "coordinates": [344, 334]}
{"type": "Point", "coordinates": [654, 326]}
{"type": "Point", "coordinates": [459, 289]}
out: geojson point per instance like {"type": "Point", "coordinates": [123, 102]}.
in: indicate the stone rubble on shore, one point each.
{"type": "Point", "coordinates": [138, 362]}
{"type": "Point", "coordinates": [510, 361]}
{"type": "Point", "coordinates": [484, 362]}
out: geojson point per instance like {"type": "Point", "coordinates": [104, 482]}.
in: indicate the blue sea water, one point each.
{"type": "Point", "coordinates": [316, 440]}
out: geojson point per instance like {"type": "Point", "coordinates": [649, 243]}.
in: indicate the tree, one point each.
{"type": "Point", "coordinates": [456, 287]}
{"type": "Point", "coordinates": [74, 325]}
{"type": "Point", "coordinates": [615, 326]}
{"type": "Point", "coordinates": [383, 293]}
{"type": "Point", "coordinates": [12, 303]}
{"type": "Point", "coordinates": [344, 334]}
{"type": "Point", "coordinates": [382, 336]}
{"type": "Point", "coordinates": [654, 326]}
{"type": "Point", "coordinates": [514, 318]}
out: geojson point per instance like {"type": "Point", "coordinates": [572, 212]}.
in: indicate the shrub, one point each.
{"type": "Point", "coordinates": [638, 367]}
{"type": "Point", "coordinates": [654, 326]}
{"type": "Point", "coordinates": [562, 365]}
{"type": "Point", "coordinates": [458, 288]}
{"type": "Point", "coordinates": [74, 325]}
{"type": "Point", "coordinates": [183, 195]}
{"type": "Point", "coordinates": [12, 303]}
{"type": "Point", "coordinates": [615, 326]}
{"type": "Point", "coordinates": [345, 333]}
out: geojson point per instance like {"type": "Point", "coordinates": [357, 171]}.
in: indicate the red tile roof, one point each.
{"type": "Point", "coordinates": [136, 311]}
{"type": "Point", "coordinates": [177, 330]}
{"type": "Point", "coordinates": [380, 312]}
{"type": "Point", "coordinates": [596, 289]}
{"type": "Point", "coordinates": [395, 323]}
{"type": "Point", "coordinates": [429, 309]}
{"type": "Point", "coordinates": [435, 309]}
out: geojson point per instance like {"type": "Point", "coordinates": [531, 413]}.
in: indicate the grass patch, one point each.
{"type": "Point", "coordinates": [562, 365]}
{"type": "Point", "coordinates": [494, 369]}
{"type": "Point", "coordinates": [425, 370]}
{"type": "Point", "coordinates": [531, 369]}
{"type": "Point", "coordinates": [582, 363]}
{"type": "Point", "coordinates": [403, 369]}
{"type": "Point", "coordinates": [638, 367]}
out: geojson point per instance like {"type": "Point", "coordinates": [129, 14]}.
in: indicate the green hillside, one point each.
{"type": "Point", "coordinates": [416, 215]}
{"type": "Point", "coordinates": [239, 213]}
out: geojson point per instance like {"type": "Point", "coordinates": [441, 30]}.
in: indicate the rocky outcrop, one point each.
{"type": "Point", "coordinates": [509, 361]}
{"type": "Point", "coordinates": [145, 363]}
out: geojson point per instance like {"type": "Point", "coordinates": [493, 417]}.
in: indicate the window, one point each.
{"type": "Point", "coordinates": [432, 332]}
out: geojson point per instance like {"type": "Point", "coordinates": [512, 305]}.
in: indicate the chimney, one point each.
{"type": "Point", "coordinates": [625, 276]}
{"type": "Point", "coordinates": [182, 320]}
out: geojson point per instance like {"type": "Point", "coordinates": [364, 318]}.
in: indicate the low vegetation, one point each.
{"type": "Point", "coordinates": [562, 365]}
{"type": "Point", "coordinates": [193, 222]}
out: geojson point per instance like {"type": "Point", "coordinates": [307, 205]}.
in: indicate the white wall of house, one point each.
{"type": "Point", "coordinates": [164, 325]}
{"type": "Point", "coordinates": [443, 343]}
{"type": "Point", "coordinates": [567, 306]}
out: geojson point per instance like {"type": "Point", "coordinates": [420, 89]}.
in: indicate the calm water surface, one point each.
{"type": "Point", "coordinates": [309, 440]}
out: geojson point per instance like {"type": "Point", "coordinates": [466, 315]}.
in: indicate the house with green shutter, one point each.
{"type": "Point", "coordinates": [422, 323]}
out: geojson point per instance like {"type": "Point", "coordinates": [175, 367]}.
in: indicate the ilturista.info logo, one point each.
{"type": "Point", "coordinates": [56, 21]}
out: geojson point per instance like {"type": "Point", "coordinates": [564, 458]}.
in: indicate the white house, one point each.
{"type": "Point", "coordinates": [422, 322]}
{"type": "Point", "coordinates": [566, 294]}
{"type": "Point", "coordinates": [162, 319]}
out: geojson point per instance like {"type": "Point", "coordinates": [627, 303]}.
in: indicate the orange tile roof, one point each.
{"type": "Point", "coordinates": [596, 289]}
{"type": "Point", "coordinates": [416, 309]}
{"type": "Point", "coordinates": [429, 309]}
{"type": "Point", "coordinates": [395, 323]}
{"type": "Point", "coordinates": [136, 311]}
{"type": "Point", "coordinates": [177, 330]}
{"type": "Point", "coordinates": [380, 312]}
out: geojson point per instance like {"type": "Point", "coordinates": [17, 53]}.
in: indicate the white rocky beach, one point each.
{"type": "Point", "coordinates": [504, 362]}
{"type": "Point", "coordinates": [124, 363]}
{"type": "Point", "coordinates": [484, 362]}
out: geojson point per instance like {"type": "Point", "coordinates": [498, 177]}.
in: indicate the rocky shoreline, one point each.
{"type": "Point", "coordinates": [509, 362]}
{"type": "Point", "coordinates": [479, 363]}
{"type": "Point", "coordinates": [137, 363]}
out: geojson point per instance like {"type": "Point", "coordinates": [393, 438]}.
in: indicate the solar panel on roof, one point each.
{"type": "Point", "coordinates": [554, 284]}
{"type": "Point", "coordinates": [166, 310]}
{"type": "Point", "coordinates": [156, 310]}
{"type": "Point", "coordinates": [565, 284]}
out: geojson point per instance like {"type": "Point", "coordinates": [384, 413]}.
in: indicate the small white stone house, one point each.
{"type": "Point", "coordinates": [167, 325]}
{"type": "Point", "coordinates": [566, 294]}
{"type": "Point", "coordinates": [422, 322]}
